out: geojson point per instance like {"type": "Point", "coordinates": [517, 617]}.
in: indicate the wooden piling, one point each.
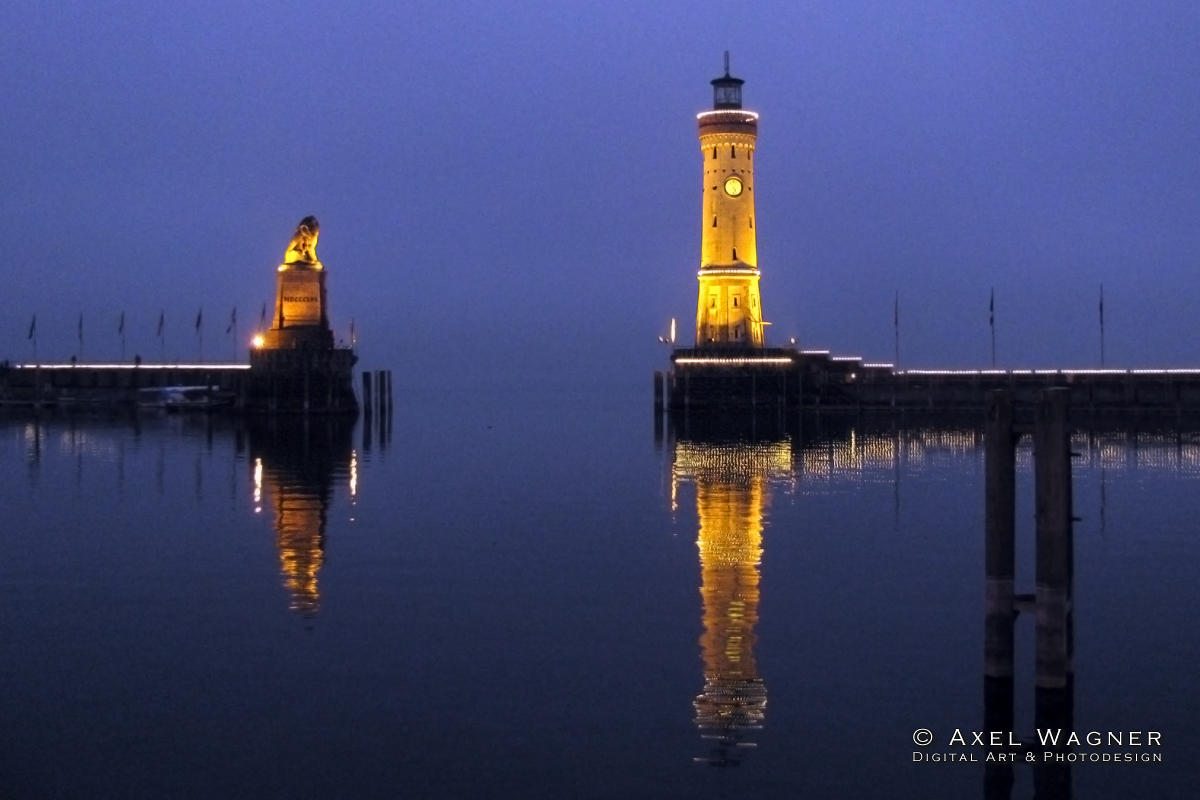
{"type": "Point", "coordinates": [999, 534]}
{"type": "Point", "coordinates": [659, 392]}
{"type": "Point", "coordinates": [366, 381]}
{"type": "Point", "coordinates": [1052, 465]}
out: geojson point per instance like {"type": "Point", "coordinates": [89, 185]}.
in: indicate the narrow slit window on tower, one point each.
{"type": "Point", "coordinates": [714, 152]}
{"type": "Point", "coordinates": [751, 222]}
{"type": "Point", "coordinates": [735, 301]}
{"type": "Point", "coordinates": [714, 220]}
{"type": "Point", "coordinates": [733, 151]}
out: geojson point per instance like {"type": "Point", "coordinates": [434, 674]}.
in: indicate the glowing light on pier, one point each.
{"type": "Point", "coordinates": [143, 366]}
{"type": "Point", "coordinates": [715, 360]}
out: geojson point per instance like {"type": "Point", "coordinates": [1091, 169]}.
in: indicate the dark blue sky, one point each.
{"type": "Point", "coordinates": [510, 185]}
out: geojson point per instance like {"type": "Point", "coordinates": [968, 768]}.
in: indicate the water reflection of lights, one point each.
{"type": "Point", "coordinates": [297, 465]}
{"type": "Point", "coordinates": [731, 482]}
{"type": "Point", "coordinates": [300, 539]}
{"type": "Point", "coordinates": [857, 456]}
{"type": "Point", "coordinates": [258, 486]}
{"type": "Point", "coordinates": [1129, 452]}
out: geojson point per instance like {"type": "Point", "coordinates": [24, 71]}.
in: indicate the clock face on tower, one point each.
{"type": "Point", "coordinates": [733, 186]}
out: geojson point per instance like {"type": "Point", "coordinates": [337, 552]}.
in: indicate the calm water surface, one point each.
{"type": "Point", "coordinates": [517, 595]}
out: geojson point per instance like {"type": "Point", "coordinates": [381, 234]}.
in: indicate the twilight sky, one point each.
{"type": "Point", "coordinates": [506, 186]}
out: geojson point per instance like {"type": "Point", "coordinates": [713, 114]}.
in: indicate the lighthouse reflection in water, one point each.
{"type": "Point", "coordinates": [732, 481]}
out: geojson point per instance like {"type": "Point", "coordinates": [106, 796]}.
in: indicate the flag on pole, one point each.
{"type": "Point", "coordinates": [32, 327]}
{"type": "Point", "coordinates": [121, 323]}
{"type": "Point", "coordinates": [162, 318]}
{"type": "Point", "coordinates": [79, 333]}
{"type": "Point", "coordinates": [199, 318]}
{"type": "Point", "coordinates": [232, 320]}
{"type": "Point", "coordinates": [262, 316]}
{"type": "Point", "coordinates": [992, 322]}
{"type": "Point", "coordinates": [896, 326]}
{"type": "Point", "coordinates": [1102, 324]}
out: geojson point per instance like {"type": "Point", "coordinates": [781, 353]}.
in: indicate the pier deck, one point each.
{"type": "Point", "coordinates": [83, 385]}
{"type": "Point", "coordinates": [815, 379]}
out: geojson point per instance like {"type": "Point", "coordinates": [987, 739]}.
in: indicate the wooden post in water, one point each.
{"type": "Point", "coordinates": [381, 408]}
{"type": "Point", "coordinates": [999, 535]}
{"type": "Point", "coordinates": [999, 572]}
{"type": "Point", "coordinates": [389, 390]}
{"type": "Point", "coordinates": [366, 379]}
{"type": "Point", "coordinates": [659, 394]}
{"type": "Point", "coordinates": [1052, 463]}
{"type": "Point", "coordinates": [1054, 672]}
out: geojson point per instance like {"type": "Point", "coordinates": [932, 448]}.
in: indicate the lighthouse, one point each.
{"type": "Point", "coordinates": [730, 365]}
{"type": "Point", "coordinates": [729, 306]}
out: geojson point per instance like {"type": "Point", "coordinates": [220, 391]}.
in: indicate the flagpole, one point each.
{"type": "Point", "coordinates": [992, 323]}
{"type": "Point", "coordinates": [896, 325]}
{"type": "Point", "coordinates": [37, 369]}
{"type": "Point", "coordinates": [1102, 325]}
{"type": "Point", "coordinates": [33, 337]}
{"type": "Point", "coordinates": [232, 326]}
{"type": "Point", "coordinates": [121, 330]}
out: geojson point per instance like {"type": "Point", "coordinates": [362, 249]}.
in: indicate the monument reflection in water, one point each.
{"type": "Point", "coordinates": [732, 480]}
{"type": "Point", "coordinates": [295, 462]}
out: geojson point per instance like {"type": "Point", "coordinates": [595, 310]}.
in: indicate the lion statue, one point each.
{"type": "Point", "coordinates": [303, 247]}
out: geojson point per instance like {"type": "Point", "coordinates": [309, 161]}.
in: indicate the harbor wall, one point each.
{"type": "Point", "coordinates": [805, 379]}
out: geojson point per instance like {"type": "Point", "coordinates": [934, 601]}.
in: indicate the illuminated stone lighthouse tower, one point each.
{"type": "Point", "coordinates": [729, 308]}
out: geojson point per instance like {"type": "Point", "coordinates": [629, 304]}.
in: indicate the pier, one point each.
{"type": "Point", "coordinates": [95, 386]}
{"type": "Point", "coordinates": [788, 378]}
